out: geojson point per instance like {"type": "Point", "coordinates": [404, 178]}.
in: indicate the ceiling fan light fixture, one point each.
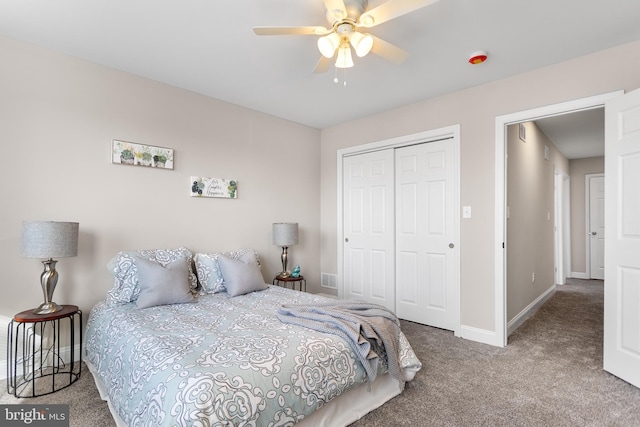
{"type": "Point", "coordinates": [362, 43]}
{"type": "Point", "coordinates": [367, 20]}
{"type": "Point", "coordinates": [344, 59]}
{"type": "Point", "coordinates": [327, 45]}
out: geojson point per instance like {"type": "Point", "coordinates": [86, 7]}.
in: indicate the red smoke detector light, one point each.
{"type": "Point", "coordinates": [478, 57]}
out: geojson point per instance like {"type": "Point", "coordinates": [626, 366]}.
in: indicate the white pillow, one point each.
{"type": "Point", "coordinates": [241, 276]}
{"type": "Point", "coordinates": [160, 284]}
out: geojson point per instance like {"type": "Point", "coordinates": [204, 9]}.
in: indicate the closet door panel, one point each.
{"type": "Point", "coordinates": [368, 246]}
{"type": "Point", "coordinates": [425, 228]}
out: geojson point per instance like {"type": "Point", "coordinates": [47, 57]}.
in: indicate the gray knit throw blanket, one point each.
{"type": "Point", "coordinates": [370, 329]}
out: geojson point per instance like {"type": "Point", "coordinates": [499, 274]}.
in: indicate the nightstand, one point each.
{"type": "Point", "coordinates": [36, 363]}
{"type": "Point", "coordinates": [285, 281]}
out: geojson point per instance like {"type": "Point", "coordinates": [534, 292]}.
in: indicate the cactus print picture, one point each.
{"type": "Point", "coordinates": [214, 187]}
{"type": "Point", "coordinates": [129, 153]}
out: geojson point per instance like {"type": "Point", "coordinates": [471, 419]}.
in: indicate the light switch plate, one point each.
{"type": "Point", "coordinates": [466, 212]}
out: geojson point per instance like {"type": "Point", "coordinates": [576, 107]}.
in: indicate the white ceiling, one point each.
{"type": "Point", "coordinates": [208, 46]}
{"type": "Point", "coordinates": [577, 135]}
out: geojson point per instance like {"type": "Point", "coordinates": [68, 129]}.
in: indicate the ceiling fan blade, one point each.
{"type": "Point", "coordinates": [389, 10]}
{"type": "Point", "coordinates": [323, 65]}
{"type": "Point", "coordinates": [388, 51]}
{"type": "Point", "coordinates": [291, 31]}
{"type": "Point", "coordinates": [336, 10]}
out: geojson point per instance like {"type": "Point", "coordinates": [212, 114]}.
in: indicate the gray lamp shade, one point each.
{"type": "Point", "coordinates": [285, 234]}
{"type": "Point", "coordinates": [49, 239]}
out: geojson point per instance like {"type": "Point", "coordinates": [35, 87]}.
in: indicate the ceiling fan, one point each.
{"type": "Point", "coordinates": [348, 19]}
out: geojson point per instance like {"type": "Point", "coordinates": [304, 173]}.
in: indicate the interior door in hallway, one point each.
{"type": "Point", "coordinates": [596, 227]}
{"type": "Point", "coordinates": [622, 240]}
{"type": "Point", "coordinates": [368, 228]}
{"type": "Point", "coordinates": [426, 237]}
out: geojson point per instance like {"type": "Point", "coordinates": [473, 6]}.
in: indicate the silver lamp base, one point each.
{"type": "Point", "coordinates": [283, 257]}
{"type": "Point", "coordinates": [48, 281]}
{"type": "Point", "coordinates": [47, 308]}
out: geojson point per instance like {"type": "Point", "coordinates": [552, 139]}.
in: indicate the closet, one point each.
{"type": "Point", "coordinates": [400, 228]}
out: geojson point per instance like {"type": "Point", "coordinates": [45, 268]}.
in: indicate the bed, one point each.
{"type": "Point", "coordinates": [224, 358]}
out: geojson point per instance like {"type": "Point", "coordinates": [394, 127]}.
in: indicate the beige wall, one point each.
{"type": "Point", "coordinates": [578, 168]}
{"type": "Point", "coordinates": [58, 116]}
{"type": "Point", "coordinates": [475, 109]}
{"type": "Point", "coordinates": [530, 222]}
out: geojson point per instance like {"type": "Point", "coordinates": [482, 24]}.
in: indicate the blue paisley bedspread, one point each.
{"type": "Point", "coordinates": [220, 361]}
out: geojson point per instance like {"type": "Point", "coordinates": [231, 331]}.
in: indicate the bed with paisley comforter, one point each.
{"type": "Point", "coordinates": [229, 360]}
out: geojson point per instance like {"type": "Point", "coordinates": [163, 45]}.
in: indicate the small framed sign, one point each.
{"type": "Point", "coordinates": [214, 187]}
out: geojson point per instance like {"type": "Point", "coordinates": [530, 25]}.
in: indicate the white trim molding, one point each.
{"type": "Point", "coordinates": [65, 355]}
{"type": "Point", "coordinates": [476, 334]}
{"type": "Point", "coordinates": [4, 325]}
{"type": "Point", "coordinates": [500, 224]}
{"type": "Point", "coordinates": [529, 310]}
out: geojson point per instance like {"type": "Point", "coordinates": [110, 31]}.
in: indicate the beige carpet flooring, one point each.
{"type": "Point", "coordinates": [550, 374]}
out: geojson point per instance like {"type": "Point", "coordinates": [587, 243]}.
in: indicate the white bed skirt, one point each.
{"type": "Point", "coordinates": [341, 411]}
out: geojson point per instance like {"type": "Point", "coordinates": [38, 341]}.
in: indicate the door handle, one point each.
{"type": "Point", "coordinates": [593, 233]}
{"type": "Point", "coordinates": [451, 245]}
{"type": "Point", "coordinates": [346, 239]}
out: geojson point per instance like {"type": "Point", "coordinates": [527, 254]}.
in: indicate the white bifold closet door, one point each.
{"type": "Point", "coordinates": [399, 231]}
{"type": "Point", "coordinates": [425, 234]}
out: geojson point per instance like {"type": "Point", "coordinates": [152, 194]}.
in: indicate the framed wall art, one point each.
{"type": "Point", "coordinates": [214, 187]}
{"type": "Point", "coordinates": [130, 153]}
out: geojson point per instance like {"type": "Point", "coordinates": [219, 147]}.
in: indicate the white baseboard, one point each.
{"type": "Point", "coordinates": [479, 335]}
{"type": "Point", "coordinates": [322, 294]}
{"type": "Point", "coordinates": [519, 319]}
{"type": "Point", "coordinates": [578, 275]}
{"type": "Point", "coordinates": [4, 324]}
{"type": "Point", "coordinates": [65, 354]}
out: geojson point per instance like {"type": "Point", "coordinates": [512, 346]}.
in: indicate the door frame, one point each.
{"type": "Point", "coordinates": [449, 132]}
{"type": "Point", "coordinates": [587, 221]}
{"type": "Point", "coordinates": [562, 234]}
{"type": "Point", "coordinates": [500, 224]}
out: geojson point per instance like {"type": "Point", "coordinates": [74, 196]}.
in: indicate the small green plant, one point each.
{"type": "Point", "coordinates": [233, 186]}
{"type": "Point", "coordinates": [126, 154]}
{"type": "Point", "coordinates": [197, 187]}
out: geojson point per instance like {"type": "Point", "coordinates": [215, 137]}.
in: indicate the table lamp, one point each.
{"type": "Point", "coordinates": [49, 239]}
{"type": "Point", "coordinates": [285, 234]}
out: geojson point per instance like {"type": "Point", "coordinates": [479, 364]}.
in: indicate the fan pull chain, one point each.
{"type": "Point", "coordinates": [344, 76]}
